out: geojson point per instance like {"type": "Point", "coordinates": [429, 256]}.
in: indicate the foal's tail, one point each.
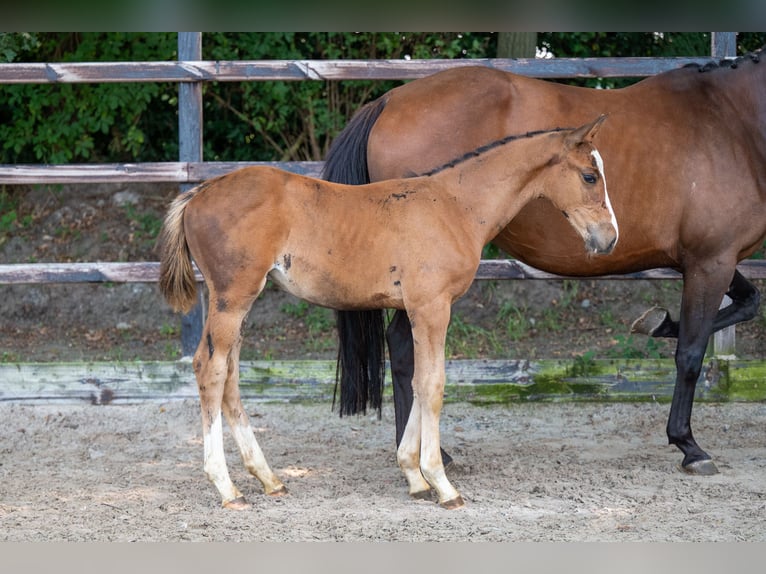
{"type": "Point", "coordinates": [177, 282]}
{"type": "Point", "coordinates": [361, 351]}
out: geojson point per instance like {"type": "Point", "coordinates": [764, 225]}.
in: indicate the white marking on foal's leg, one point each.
{"type": "Point", "coordinates": [408, 454]}
{"type": "Point", "coordinates": [254, 459]}
{"type": "Point", "coordinates": [215, 461]}
{"type": "Point", "coordinates": [600, 165]}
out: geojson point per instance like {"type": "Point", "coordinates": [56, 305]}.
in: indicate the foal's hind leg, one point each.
{"type": "Point", "coordinates": [211, 367]}
{"type": "Point", "coordinates": [239, 423]}
{"type": "Point", "coordinates": [216, 365]}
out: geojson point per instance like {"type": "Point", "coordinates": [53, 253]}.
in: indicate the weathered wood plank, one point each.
{"type": "Point", "coordinates": [97, 272]}
{"type": "Point", "coordinates": [148, 272]}
{"type": "Point", "coordinates": [479, 381]}
{"type": "Point", "coordinates": [95, 173]}
{"type": "Point", "coordinates": [513, 269]}
{"type": "Point", "coordinates": [206, 170]}
{"type": "Point", "coordinates": [148, 172]}
{"type": "Point", "coordinates": [298, 70]}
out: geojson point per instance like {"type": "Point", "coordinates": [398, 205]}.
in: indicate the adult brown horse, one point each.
{"type": "Point", "coordinates": [409, 244]}
{"type": "Point", "coordinates": [686, 157]}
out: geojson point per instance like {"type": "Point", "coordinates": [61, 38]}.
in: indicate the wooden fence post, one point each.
{"type": "Point", "coordinates": [724, 45]}
{"type": "Point", "coordinates": [190, 149]}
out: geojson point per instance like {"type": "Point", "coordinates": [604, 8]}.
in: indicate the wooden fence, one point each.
{"type": "Point", "coordinates": [190, 72]}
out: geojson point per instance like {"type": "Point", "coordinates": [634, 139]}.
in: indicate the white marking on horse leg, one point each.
{"type": "Point", "coordinates": [253, 457]}
{"type": "Point", "coordinates": [408, 453]}
{"type": "Point", "coordinates": [432, 468]}
{"type": "Point", "coordinates": [215, 461]}
{"type": "Point", "coordinates": [600, 165]}
{"type": "Point", "coordinates": [431, 465]}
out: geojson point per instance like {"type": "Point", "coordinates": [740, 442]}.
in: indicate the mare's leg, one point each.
{"type": "Point", "coordinates": [212, 367]}
{"type": "Point", "coordinates": [239, 423]}
{"type": "Point", "coordinates": [745, 298]}
{"type": "Point", "coordinates": [402, 355]}
{"type": "Point", "coordinates": [704, 287]}
{"type": "Point", "coordinates": [429, 331]}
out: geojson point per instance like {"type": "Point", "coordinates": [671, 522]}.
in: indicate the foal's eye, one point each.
{"type": "Point", "coordinates": [589, 178]}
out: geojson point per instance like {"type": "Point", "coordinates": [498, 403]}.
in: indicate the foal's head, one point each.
{"type": "Point", "coordinates": [576, 185]}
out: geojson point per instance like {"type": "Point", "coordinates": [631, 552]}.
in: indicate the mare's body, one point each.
{"type": "Point", "coordinates": [686, 166]}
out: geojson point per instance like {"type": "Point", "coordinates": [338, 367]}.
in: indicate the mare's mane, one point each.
{"type": "Point", "coordinates": [733, 63]}
{"type": "Point", "coordinates": [487, 147]}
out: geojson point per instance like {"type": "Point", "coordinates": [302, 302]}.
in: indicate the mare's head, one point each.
{"type": "Point", "coordinates": [576, 185]}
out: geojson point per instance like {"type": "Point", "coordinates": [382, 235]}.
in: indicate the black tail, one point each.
{"type": "Point", "coordinates": [361, 334]}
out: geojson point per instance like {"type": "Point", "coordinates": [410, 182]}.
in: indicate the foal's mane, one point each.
{"type": "Point", "coordinates": [754, 57]}
{"type": "Point", "coordinates": [487, 147]}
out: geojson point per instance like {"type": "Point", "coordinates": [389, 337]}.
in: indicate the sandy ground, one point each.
{"type": "Point", "coordinates": [528, 472]}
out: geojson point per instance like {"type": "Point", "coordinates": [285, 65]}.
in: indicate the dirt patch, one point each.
{"type": "Point", "coordinates": [528, 472]}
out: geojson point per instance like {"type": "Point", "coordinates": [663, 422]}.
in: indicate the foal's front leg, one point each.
{"type": "Point", "coordinates": [408, 454]}
{"type": "Point", "coordinates": [216, 365]}
{"type": "Point", "coordinates": [421, 435]}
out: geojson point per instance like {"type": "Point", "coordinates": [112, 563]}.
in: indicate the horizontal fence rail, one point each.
{"type": "Point", "coordinates": [300, 70]}
{"type": "Point", "coordinates": [145, 172]}
{"type": "Point", "coordinates": [148, 272]}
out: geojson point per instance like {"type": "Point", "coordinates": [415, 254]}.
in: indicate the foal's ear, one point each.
{"type": "Point", "coordinates": [585, 133]}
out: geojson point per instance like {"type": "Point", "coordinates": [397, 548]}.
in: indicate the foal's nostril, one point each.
{"type": "Point", "coordinates": [600, 241]}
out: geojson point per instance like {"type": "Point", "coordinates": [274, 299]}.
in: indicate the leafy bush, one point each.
{"type": "Point", "coordinates": [243, 121]}
{"type": "Point", "coordinates": [248, 120]}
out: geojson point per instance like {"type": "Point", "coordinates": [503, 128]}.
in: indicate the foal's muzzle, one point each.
{"type": "Point", "coordinates": [601, 238]}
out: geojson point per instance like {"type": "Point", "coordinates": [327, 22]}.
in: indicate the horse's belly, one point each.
{"type": "Point", "coordinates": [343, 292]}
{"type": "Point", "coordinates": [541, 237]}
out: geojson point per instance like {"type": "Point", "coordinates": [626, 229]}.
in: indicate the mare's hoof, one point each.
{"type": "Point", "coordinates": [281, 491]}
{"type": "Point", "coordinates": [700, 468]}
{"type": "Point", "coordinates": [421, 495]}
{"type": "Point", "coordinates": [238, 503]}
{"type": "Point", "coordinates": [452, 504]}
{"type": "Point", "coordinates": [650, 321]}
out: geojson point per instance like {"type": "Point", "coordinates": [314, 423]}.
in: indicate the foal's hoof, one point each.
{"type": "Point", "coordinates": [700, 468]}
{"type": "Point", "coordinates": [281, 491]}
{"type": "Point", "coordinates": [238, 503]}
{"type": "Point", "coordinates": [453, 504]}
{"type": "Point", "coordinates": [649, 321]}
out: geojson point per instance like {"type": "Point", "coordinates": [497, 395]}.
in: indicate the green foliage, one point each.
{"type": "Point", "coordinates": [468, 341]}
{"type": "Point", "coordinates": [147, 225]}
{"type": "Point", "coordinates": [87, 122]}
{"type": "Point", "coordinates": [63, 123]}
{"type": "Point", "coordinates": [11, 45]}
{"type": "Point", "coordinates": [294, 121]}
{"type": "Point", "coordinates": [514, 320]}
{"type": "Point", "coordinates": [316, 319]}
{"type": "Point", "coordinates": [583, 365]}
{"type": "Point", "coordinates": [9, 218]}
{"type": "Point", "coordinates": [630, 347]}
